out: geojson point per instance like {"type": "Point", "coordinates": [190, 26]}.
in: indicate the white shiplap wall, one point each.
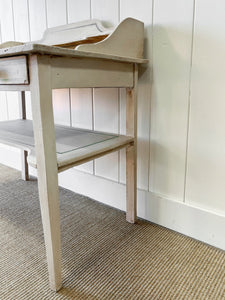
{"type": "Point", "coordinates": [181, 124]}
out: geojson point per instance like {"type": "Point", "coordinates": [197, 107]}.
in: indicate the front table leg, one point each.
{"type": "Point", "coordinates": [45, 148]}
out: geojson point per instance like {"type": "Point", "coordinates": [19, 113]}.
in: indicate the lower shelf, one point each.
{"type": "Point", "coordinates": [73, 146]}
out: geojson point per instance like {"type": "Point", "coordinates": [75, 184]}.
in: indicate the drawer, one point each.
{"type": "Point", "coordinates": [13, 70]}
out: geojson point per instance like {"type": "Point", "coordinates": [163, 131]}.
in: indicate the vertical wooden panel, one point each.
{"type": "Point", "coordinates": [3, 107]}
{"type": "Point", "coordinates": [81, 108]}
{"type": "Point", "coordinates": [22, 33]}
{"type": "Point", "coordinates": [81, 99]}
{"type": "Point", "coordinates": [61, 106]}
{"type": "Point", "coordinates": [141, 10]}
{"type": "Point", "coordinates": [56, 12]}
{"type": "Point", "coordinates": [206, 145]}
{"type": "Point", "coordinates": [106, 100]}
{"type": "Point", "coordinates": [172, 38]}
{"type": "Point", "coordinates": [78, 10]}
{"type": "Point", "coordinates": [7, 33]}
{"type": "Point", "coordinates": [107, 11]}
{"type": "Point", "coordinates": [106, 119]}
{"type": "Point", "coordinates": [7, 25]}
{"type": "Point", "coordinates": [28, 105]}
{"type": "Point", "coordinates": [13, 105]}
{"type": "Point", "coordinates": [21, 20]}
{"type": "Point", "coordinates": [81, 113]}
{"type": "Point", "coordinates": [37, 17]}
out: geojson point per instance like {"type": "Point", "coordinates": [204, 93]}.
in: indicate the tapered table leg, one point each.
{"type": "Point", "coordinates": [45, 148]}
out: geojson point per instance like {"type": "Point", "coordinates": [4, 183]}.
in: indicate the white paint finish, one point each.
{"type": "Point", "coordinates": [107, 166]}
{"type": "Point", "coordinates": [21, 20]}
{"type": "Point", "coordinates": [28, 106]}
{"type": "Point", "coordinates": [87, 167]}
{"type": "Point", "coordinates": [206, 144]}
{"type": "Point", "coordinates": [170, 96]}
{"type": "Point", "coordinates": [13, 105]}
{"type": "Point", "coordinates": [61, 106]}
{"type": "Point", "coordinates": [7, 25]}
{"type": "Point", "coordinates": [175, 215]}
{"type": "Point", "coordinates": [142, 10]}
{"type": "Point", "coordinates": [10, 156]}
{"type": "Point", "coordinates": [106, 119]}
{"type": "Point", "coordinates": [3, 107]}
{"type": "Point", "coordinates": [37, 17]}
{"type": "Point", "coordinates": [56, 12]}
{"type": "Point", "coordinates": [78, 11]}
{"type": "Point", "coordinates": [81, 108]}
{"type": "Point", "coordinates": [106, 11]}
{"type": "Point", "coordinates": [81, 113]}
{"type": "Point", "coordinates": [106, 110]}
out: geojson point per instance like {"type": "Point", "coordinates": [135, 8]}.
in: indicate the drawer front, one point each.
{"type": "Point", "coordinates": [13, 70]}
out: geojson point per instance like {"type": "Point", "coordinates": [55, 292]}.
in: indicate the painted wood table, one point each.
{"type": "Point", "coordinates": [39, 68]}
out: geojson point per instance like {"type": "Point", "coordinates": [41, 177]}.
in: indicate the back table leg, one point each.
{"type": "Point", "coordinates": [131, 152]}
{"type": "Point", "coordinates": [24, 164]}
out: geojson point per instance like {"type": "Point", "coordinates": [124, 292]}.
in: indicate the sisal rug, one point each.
{"type": "Point", "coordinates": [103, 256]}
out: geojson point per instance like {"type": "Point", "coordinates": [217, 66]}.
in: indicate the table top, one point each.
{"type": "Point", "coordinates": [32, 48]}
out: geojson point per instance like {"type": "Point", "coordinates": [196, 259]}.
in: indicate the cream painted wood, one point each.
{"type": "Point", "coordinates": [24, 164]}
{"type": "Point", "coordinates": [78, 11]}
{"type": "Point", "coordinates": [41, 97]}
{"type": "Point", "coordinates": [73, 32]}
{"type": "Point", "coordinates": [72, 144]}
{"type": "Point", "coordinates": [21, 20]}
{"type": "Point", "coordinates": [131, 152]}
{"type": "Point", "coordinates": [206, 143]}
{"type": "Point", "coordinates": [172, 36]}
{"type": "Point", "coordinates": [126, 40]}
{"type": "Point", "coordinates": [32, 48]}
{"type": "Point", "coordinates": [13, 70]}
{"type": "Point", "coordinates": [43, 74]}
{"type": "Point", "coordinates": [9, 87]}
{"type": "Point", "coordinates": [56, 12]}
{"type": "Point", "coordinates": [64, 73]}
{"type": "Point", "coordinates": [141, 10]}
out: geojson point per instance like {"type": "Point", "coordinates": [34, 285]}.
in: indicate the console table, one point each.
{"type": "Point", "coordinates": [39, 68]}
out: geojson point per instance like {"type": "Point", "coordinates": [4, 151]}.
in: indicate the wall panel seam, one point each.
{"type": "Point", "coordinates": [150, 106]}
{"type": "Point", "coordinates": [189, 103]}
{"type": "Point", "coordinates": [13, 20]}
{"type": "Point", "coordinates": [28, 16]}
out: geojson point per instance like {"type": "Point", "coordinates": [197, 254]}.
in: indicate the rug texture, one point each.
{"type": "Point", "coordinates": [104, 257]}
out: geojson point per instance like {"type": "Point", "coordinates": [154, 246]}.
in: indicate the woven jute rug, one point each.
{"type": "Point", "coordinates": [103, 256]}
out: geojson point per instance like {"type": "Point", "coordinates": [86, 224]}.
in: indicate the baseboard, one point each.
{"type": "Point", "coordinates": [195, 222]}
{"type": "Point", "coordinates": [198, 223]}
